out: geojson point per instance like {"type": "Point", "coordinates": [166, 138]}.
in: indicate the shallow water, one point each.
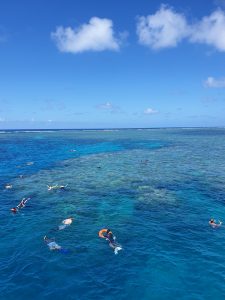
{"type": "Point", "coordinates": [156, 189]}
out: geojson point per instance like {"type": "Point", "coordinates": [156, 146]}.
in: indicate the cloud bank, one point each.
{"type": "Point", "coordinates": [166, 28]}
{"type": "Point", "coordinates": [97, 35]}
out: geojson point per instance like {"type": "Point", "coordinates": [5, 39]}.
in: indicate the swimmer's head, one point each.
{"type": "Point", "coordinates": [211, 220]}
{"type": "Point", "coordinates": [108, 230]}
{"type": "Point", "coordinates": [14, 209]}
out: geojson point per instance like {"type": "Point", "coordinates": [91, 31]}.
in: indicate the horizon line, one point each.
{"type": "Point", "coordinates": [112, 128]}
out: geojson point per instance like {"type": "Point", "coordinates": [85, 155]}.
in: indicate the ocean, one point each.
{"type": "Point", "coordinates": [156, 189]}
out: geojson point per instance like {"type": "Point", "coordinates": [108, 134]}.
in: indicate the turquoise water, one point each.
{"type": "Point", "coordinates": [156, 189]}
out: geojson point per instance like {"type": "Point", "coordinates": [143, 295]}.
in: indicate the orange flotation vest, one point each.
{"type": "Point", "coordinates": [100, 234]}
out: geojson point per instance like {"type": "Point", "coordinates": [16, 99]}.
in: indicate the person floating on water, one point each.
{"type": "Point", "coordinates": [8, 186]}
{"type": "Point", "coordinates": [109, 236]}
{"type": "Point", "coordinates": [51, 243]}
{"type": "Point", "coordinates": [54, 246]}
{"type": "Point", "coordinates": [56, 187]}
{"type": "Point", "coordinates": [213, 223]}
{"type": "Point", "coordinates": [22, 204]}
{"type": "Point", "coordinates": [66, 223]}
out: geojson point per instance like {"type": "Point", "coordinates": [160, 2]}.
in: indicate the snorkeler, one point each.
{"type": "Point", "coordinates": [109, 236]}
{"type": "Point", "coordinates": [66, 223]}
{"type": "Point", "coordinates": [56, 187]}
{"type": "Point", "coordinates": [213, 223]}
{"type": "Point", "coordinates": [22, 203]}
{"type": "Point", "coordinates": [8, 186]}
{"type": "Point", "coordinates": [51, 243]}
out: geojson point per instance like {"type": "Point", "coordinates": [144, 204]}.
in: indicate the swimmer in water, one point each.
{"type": "Point", "coordinates": [22, 203]}
{"type": "Point", "coordinates": [56, 187]}
{"type": "Point", "coordinates": [66, 223]}
{"type": "Point", "coordinates": [213, 223]}
{"type": "Point", "coordinates": [51, 243]}
{"type": "Point", "coordinates": [109, 236]}
{"type": "Point", "coordinates": [8, 186]}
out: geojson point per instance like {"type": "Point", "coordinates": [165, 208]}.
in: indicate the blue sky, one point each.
{"type": "Point", "coordinates": [97, 64]}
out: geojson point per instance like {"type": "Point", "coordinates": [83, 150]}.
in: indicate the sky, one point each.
{"type": "Point", "coordinates": [112, 64]}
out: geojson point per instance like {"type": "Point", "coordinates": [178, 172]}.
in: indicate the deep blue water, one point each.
{"type": "Point", "coordinates": [156, 189]}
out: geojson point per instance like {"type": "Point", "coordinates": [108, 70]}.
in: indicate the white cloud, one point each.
{"type": "Point", "coordinates": [165, 28]}
{"type": "Point", "coordinates": [150, 111]}
{"type": "Point", "coordinates": [97, 35]}
{"type": "Point", "coordinates": [210, 30]}
{"type": "Point", "coordinates": [211, 82]}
